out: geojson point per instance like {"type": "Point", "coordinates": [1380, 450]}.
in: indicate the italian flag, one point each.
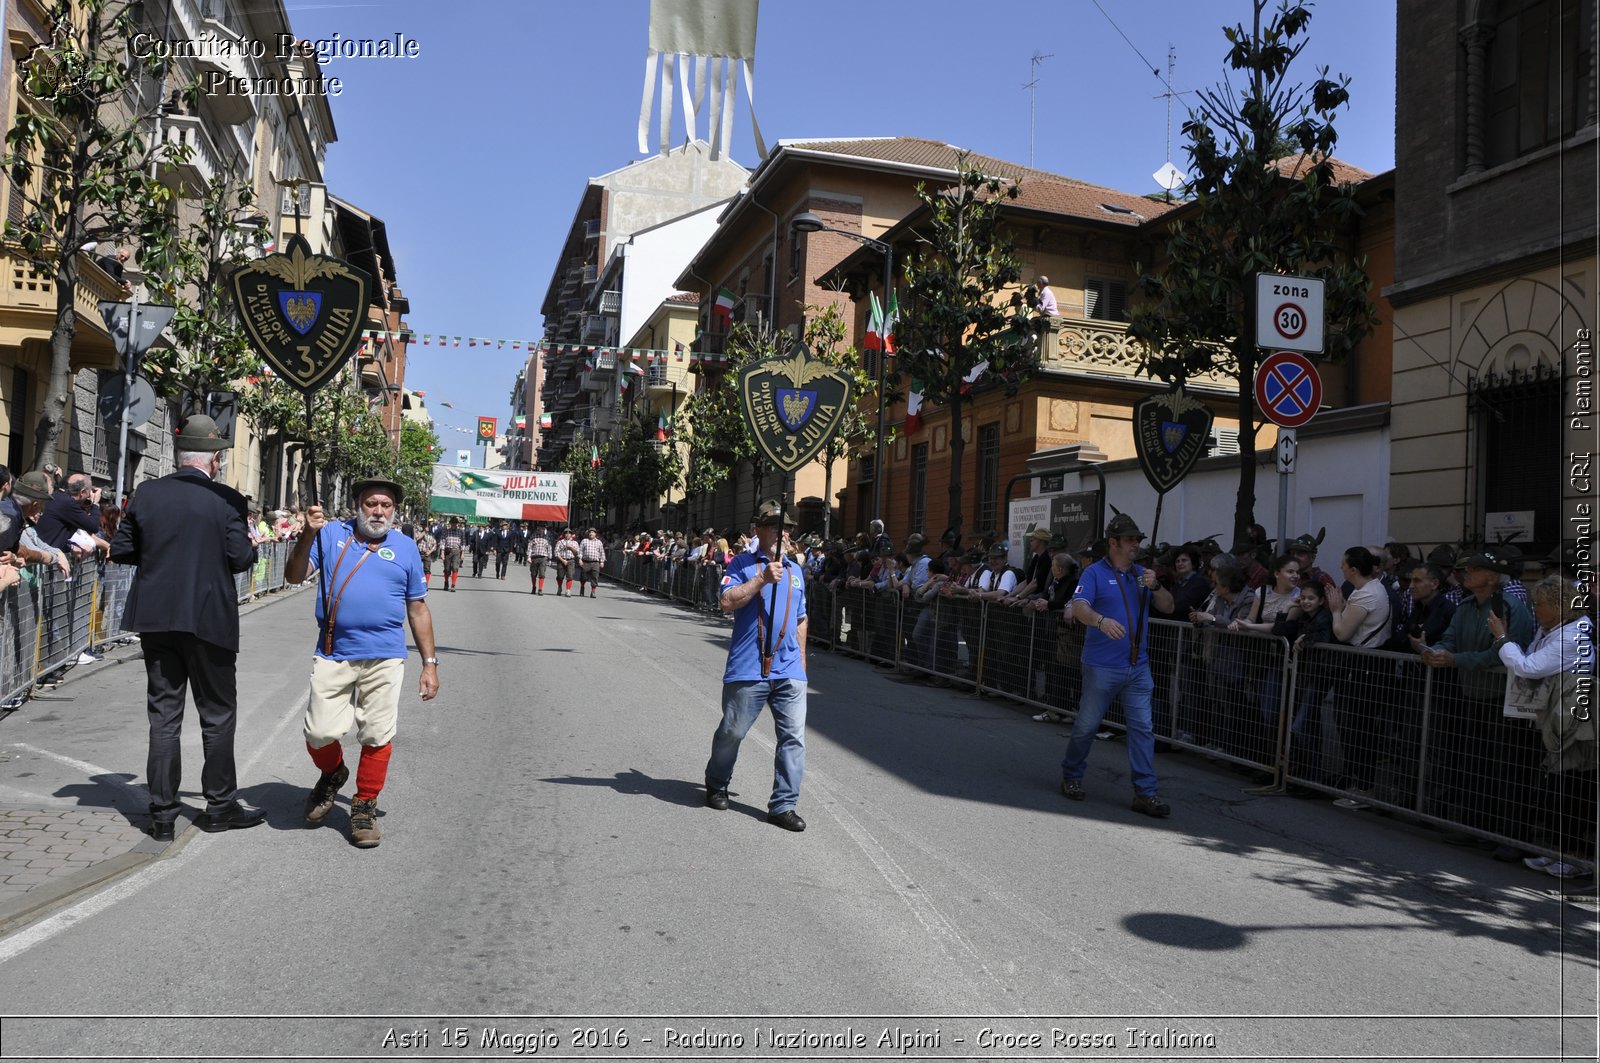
{"type": "Point", "coordinates": [972, 378]}
{"type": "Point", "coordinates": [914, 408]}
{"type": "Point", "coordinates": [594, 457]}
{"type": "Point", "coordinates": [890, 317]}
{"type": "Point", "coordinates": [661, 428]}
{"type": "Point", "coordinates": [546, 420]}
{"type": "Point", "coordinates": [519, 422]}
{"type": "Point", "coordinates": [723, 307]}
{"type": "Point", "coordinates": [874, 326]}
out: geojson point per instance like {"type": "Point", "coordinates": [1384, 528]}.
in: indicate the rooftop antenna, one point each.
{"type": "Point", "coordinates": [1169, 177]}
{"type": "Point", "coordinates": [1033, 94]}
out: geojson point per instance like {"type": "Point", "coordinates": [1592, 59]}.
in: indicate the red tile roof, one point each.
{"type": "Point", "coordinates": [1092, 202]}
{"type": "Point", "coordinates": [1298, 164]}
{"type": "Point", "coordinates": [919, 151]}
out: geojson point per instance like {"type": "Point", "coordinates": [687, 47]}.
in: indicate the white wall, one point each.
{"type": "Point", "coordinates": [1340, 482]}
{"type": "Point", "coordinates": [655, 258]}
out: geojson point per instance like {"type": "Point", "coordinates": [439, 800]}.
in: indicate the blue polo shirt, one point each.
{"type": "Point", "coordinates": [1113, 594]}
{"type": "Point", "coordinates": [371, 619]}
{"type": "Point", "coordinates": [744, 652]}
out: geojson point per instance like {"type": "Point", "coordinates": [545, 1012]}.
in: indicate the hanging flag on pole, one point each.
{"type": "Point", "coordinates": [723, 307]}
{"type": "Point", "coordinates": [891, 316]}
{"type": "Point", "coordinates": [661, 428]}
{"type": "Point", "coordinates": [914, 408]}
{"type": "Point", "coordinates": [871, 341]}
{"type": "Point", "coordinates": [546, 420]}
{"type": "Point", "coordinates": [971, 378]}
{"type": "Point", "coordinates": [594, 457]}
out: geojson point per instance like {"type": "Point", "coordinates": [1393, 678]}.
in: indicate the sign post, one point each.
{"type": "Point", "coordinates": [1288, 391]}
{"type": "Point", "coordinates": [134, 330]}
{"type": "Point", "coordinates": [1289, 314]}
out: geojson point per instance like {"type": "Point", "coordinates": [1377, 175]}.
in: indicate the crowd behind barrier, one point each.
{"type": "Point", "coordinates": [1376, 728]}
{"type": "Point", "coordinates": [48, 620]}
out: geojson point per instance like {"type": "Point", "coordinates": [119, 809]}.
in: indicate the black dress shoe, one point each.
{"type": "Point", "coordinates": [162, 832]}
{"type": "Point", "coordinates": [237, 817]}
{"type": "Point", "coordinates": [717, 799]}
{"type": "Point", "coordinates": [789, 820]}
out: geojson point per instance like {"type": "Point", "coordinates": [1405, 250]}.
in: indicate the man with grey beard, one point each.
{"type": "Point", "coordinates": [371, 586]}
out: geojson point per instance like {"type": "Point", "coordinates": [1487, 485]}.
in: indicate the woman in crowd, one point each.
{"type": "Point", "coordinates": [1270, 601]}
{"type": "Point", "coordinates": [1306, 625]}
{"type": "Point", "coordinates": [1361, 621]}
{"type": "Point", "coordinates": [1222, 657]}
{"type": "Point", "coordinates": [1561, 659]}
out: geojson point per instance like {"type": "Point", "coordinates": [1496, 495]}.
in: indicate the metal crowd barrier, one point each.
{"type": "Point", "coordinates": [1379, 729]}
{"type": "Point", "coordinates": [47, 620]}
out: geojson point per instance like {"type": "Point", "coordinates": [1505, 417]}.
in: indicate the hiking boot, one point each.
{"type": "Point", "coordinates": [1152, 806]}
{"type": "Point", "coordinates": [320, 803]}
{"type": "Point", "coordinates": [1072, 789]}
{"type": "Point", "coordinates": [364, 833]}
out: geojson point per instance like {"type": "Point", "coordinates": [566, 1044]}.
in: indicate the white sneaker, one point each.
{"type": "Point", "coordinates": [89, 658]}
{"type": "Point", "coordinates": [1538, 863]}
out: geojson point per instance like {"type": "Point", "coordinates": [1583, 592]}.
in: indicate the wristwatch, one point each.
{"type": "Point", "coordinates": [430, 660]}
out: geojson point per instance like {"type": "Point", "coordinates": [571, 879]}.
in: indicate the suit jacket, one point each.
{"type": "Point", "coordinates": [188, 536]}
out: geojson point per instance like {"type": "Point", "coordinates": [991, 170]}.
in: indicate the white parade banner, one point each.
{"type": "Point", "coordinates": [501, 494]}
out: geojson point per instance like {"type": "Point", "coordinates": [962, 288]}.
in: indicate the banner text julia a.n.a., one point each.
{"type": "Point", "coordinates": [504, 495]}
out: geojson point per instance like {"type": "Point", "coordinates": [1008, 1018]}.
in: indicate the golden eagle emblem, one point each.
{"type": "Point", "coordinates": [795, 408]}
{"type": "Point", "coordinates": [301, 311]}
{"type": "Point", "coordinates": [798, 369]}
{"type": "Point", "coordinates": [298, 269]}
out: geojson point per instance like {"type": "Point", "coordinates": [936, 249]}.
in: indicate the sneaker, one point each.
{"type": "Point", "coordinates": [364, 833]}
{"type": "Point", "coordinates": [320, 802]}
{"type": "Point", "coordinates": [1151, 805]}
{"type": "Point", "coordinates": [90, 657]}
{"type": "Point", "coordinates": [1105, 735]}
{"type": "Point", "coordinates": [1538, 863]}
{"type": "Point", "coordinates": [1564, 870]}
{"type": "Point", "coordinates": [1072, 789]}
{"type": "Point", "coordinates": [1047, 717]}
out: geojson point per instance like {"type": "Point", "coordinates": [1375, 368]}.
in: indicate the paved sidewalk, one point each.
{"type": "Point", "coordinates": [67, 825]}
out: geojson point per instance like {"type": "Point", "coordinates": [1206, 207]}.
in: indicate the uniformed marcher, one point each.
{"type": "Point", "coordinates": [567, 562]}
{"type": "Point", "coordinates": [540, 553]}
{"type": "Point", "coordinates": [369, 586]}
{"type": "Point", "coordinates": [760, 588]}
{"type": "Point", "coordinates": [452, 541]}
{"type": "Point", "coordinates": [187, 535]}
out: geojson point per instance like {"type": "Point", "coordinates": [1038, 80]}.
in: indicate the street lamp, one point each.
{"type": "Point", "coordinates": [808, 222]}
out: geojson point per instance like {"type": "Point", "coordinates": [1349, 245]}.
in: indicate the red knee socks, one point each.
{"type": "Point", "coordinates": [328, 758]}
{"type": "Point", "coordinates": [371, 772]}
{"type": "Point", "coordinates": [569, 586]}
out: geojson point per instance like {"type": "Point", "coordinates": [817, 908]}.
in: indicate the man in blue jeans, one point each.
{"type": "Point", "coordinates": [766, 593]}
{"type": "Point", "coordinates": [1113, 601]}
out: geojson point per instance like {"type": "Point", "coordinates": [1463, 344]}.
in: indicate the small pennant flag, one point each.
{"type": "Point", "coordinates": [420, 394]}
{"type": "Point", "coordinates": [677, 349]}
{"type": "Point", "coordinates": [448, 405]}
{"type": "Point", "coordinates": [594, 457]}
{"type": "Point", "coordinates": [546, 420]}
{"type": "Point", "coordinates": [519, 422]}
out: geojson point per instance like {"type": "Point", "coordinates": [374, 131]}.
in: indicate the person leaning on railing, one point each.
{"type": "Point", "coordinates": [1561, 659]}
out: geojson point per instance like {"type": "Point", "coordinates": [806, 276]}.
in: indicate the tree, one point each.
{"type": "Point", "coordinates": [955, 321]}
{"type": "Point", "coordinates": [635, 468]}
{"type": "Point", "coordinates": [1252, 214]}
{"type": "Point", "coordinates": [583, 492]}
{"type": "Point", "coordinates": [824, 333]}
{"type": "Point", "coordinates": [79, 159]}
{"type": "Point", "coordinates": [211, 351]}
{"type": "Point", "coordinates": [419, 449]}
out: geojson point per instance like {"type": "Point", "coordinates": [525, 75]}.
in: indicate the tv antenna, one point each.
{"type": "Point", "coordinates": [1032, 86]}
{"type": "Point", "coordinates": [1169, 177]}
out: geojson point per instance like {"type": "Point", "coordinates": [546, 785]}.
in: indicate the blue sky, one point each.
{"type": "Point", "coordinates": [475, 152]}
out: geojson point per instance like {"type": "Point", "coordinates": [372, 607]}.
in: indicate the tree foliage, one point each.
{"type": "Point", "coordinates": [211, 351]}
{"type": "Point", "coordinates": [584, 487]}
{"type": "Point", "coordinates": [80, 160]}
{"type": "Point", "coordinates": [956, 316]}
{"type": "Point", "coordinates": [719, 437]}
{"type": "Point", "coordinates": [1250, 216]}
{"type": "Point", "coordinates": [824, 334]}
{"type": "Point", "coordinates": [635, 468]}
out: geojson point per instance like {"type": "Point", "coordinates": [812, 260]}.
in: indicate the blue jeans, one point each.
{"type": "Point", "coordinates": [1101, 684]}
{"type": "Point", "coordinates": [741, 704]}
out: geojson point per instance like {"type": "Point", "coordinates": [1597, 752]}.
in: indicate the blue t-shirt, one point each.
{"type": "Point", "coordinates": [1113, 594]}
{"type": "Point", "coordinates": [744, 652]}
{"type": "Point", "coordinates": [371, 620]}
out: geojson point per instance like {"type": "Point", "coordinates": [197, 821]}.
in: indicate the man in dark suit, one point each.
{"type": "Point", "coordinates": [482, 539]}
{"type": "Point", "coordinates": [503, 544]}
{"type": "Point", "coordinates": [187, 535]}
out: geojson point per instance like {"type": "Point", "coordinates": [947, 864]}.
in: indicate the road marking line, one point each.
{"type": "Point", "coordinates": [42, 931]}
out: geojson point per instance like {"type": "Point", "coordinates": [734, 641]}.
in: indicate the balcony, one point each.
{"type": "Point", "coordinates": [28, 310]}
{"type": "Point", "coordinates": [595, 328]}
{"type": "Point", "coordinates": [658, 377]}
{"type": "Point", "coordinates": [1102, 349]}
{"type": "Point", "coordinates": [590, 274]}
{"type": "Point", "coordinates": [222, 57]}
{"type": "Point", "coordinates": [591, 229]}
{"type": "Point", "coordinates": [610, 302]}
{"type": "Point", "coordinates": [190, 161]}
{"type": "Point", "coordinates": [599, 378]}
{"type": "Point", "coordinates": [710, 351]}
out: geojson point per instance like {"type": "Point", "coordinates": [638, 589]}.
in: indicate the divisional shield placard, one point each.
{"type": "Point", "coordinates": [304, 312]}
{"type": "Point", "coordinates": [1169, 434]}
{"type": "Point", "coordinates": [793, 405]}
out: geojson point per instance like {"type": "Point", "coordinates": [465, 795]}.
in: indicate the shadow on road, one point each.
{"type": "Point", "coordinates": [634, 782]}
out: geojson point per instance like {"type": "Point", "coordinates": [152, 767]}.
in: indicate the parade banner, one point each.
{"type": "Point", "coordinates": [793, 406]}
{"type": "Point", "coordinates": [500, 494]}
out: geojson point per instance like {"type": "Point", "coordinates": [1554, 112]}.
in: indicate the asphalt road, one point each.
{"type": "Point", "coordinates": [546, 853]}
